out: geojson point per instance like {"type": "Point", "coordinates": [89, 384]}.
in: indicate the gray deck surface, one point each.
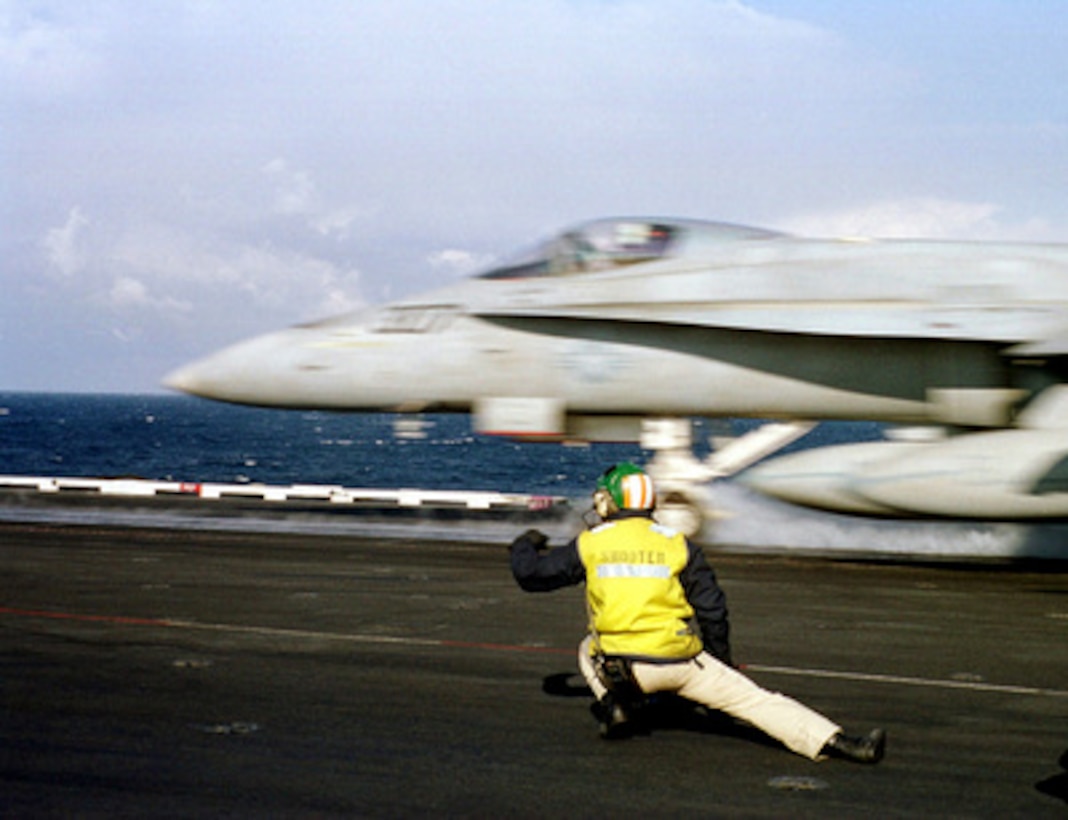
{"type": "Point", "coordinates": [181, 673]}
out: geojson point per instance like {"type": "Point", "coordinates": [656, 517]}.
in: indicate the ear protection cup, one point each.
{"type": "Point", "coordinates": [603, 504]}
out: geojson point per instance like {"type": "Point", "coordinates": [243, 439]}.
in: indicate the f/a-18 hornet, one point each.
{"type": "Point", "coordinates": [626, 329]}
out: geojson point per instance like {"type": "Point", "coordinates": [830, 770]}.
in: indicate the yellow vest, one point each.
{"type": "Point", "coordinates": [636, 602]}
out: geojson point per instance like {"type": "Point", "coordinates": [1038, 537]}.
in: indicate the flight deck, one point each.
{"type": "Point", "coordinates": [191, 672]}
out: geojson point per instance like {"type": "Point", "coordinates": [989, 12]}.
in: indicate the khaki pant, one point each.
{"type": "Point", "coordinates": [710, 682]}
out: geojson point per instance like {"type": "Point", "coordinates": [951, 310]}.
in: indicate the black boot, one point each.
{"type": "Point", "coordinates": [611, 717]}
{"type": "Point", "coordinates": [867, 749]}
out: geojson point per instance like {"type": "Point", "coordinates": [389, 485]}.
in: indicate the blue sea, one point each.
{"type": "Point", "coordinates": [178, 438]}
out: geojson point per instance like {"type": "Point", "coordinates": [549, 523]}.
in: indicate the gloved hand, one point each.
{"type": "Point", "coordinates": [535, 538]}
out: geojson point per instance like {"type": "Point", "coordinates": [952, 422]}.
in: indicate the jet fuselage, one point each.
{"type": "Point", "coordinates": [622, 320]}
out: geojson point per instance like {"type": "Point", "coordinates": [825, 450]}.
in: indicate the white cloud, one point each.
{"type": "Point", "coordinates": [458, 262]}
{"type": "Point", "coordinates": [294, 190]}
{"type": "Point", "coordinates": [128, 293]}
{"type": "Point", "coordinates": [48, 52]}
{"type": "Point", "coordinates": [200, 270]}
{"type": "Point", "coordinates": [281, 279]}
{"type": "Point", "coordinates": [296, 194]}
{"type": "Point", "coordinates": [338, 224]}
{"type": "Point", "coordinates": [337, 301]}
{"type": "Point", "coordinates": [173, 272]}
{"type": "Point", "coordinates": [64, 246]}
{"type": "Point", "coordinates": [917, 218]}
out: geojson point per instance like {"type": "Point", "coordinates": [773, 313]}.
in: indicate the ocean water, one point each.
{"type": "Point", "coordinates": [178, 438]}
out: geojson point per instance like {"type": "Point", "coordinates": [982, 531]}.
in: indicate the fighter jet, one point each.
{"type": "Point", "coordinates": [625, 329]}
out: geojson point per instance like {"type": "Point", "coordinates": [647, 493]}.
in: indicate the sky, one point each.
{"type": "Point", "coordinates": [178, 175]}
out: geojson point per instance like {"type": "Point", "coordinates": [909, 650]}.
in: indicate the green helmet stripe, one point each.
{"type": "Point", "coordinates": [612, 481]}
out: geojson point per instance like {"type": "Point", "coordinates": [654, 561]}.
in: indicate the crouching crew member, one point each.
{"type": "Point", "coordinates": [658, 623]}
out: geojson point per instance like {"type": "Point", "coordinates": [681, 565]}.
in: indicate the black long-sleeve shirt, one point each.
{"type": "Point", "coordinates": [538, 571]}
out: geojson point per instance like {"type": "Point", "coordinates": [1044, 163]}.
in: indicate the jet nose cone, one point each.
{"type": "Point", "coordinates": [234, 374]}
{"type": "Point", "coordinates": [184, 380]}
{"type": "Point", "coordinates": [263, 371]}
{"type": "Point", "coordinates": [193, 379]}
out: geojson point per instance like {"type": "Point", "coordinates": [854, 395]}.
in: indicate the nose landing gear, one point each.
{"type": "Point", "coordinates": [681, 478]}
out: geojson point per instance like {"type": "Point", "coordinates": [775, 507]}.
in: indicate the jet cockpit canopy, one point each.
{"type": "Point", "coordinates": [612, 243]}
